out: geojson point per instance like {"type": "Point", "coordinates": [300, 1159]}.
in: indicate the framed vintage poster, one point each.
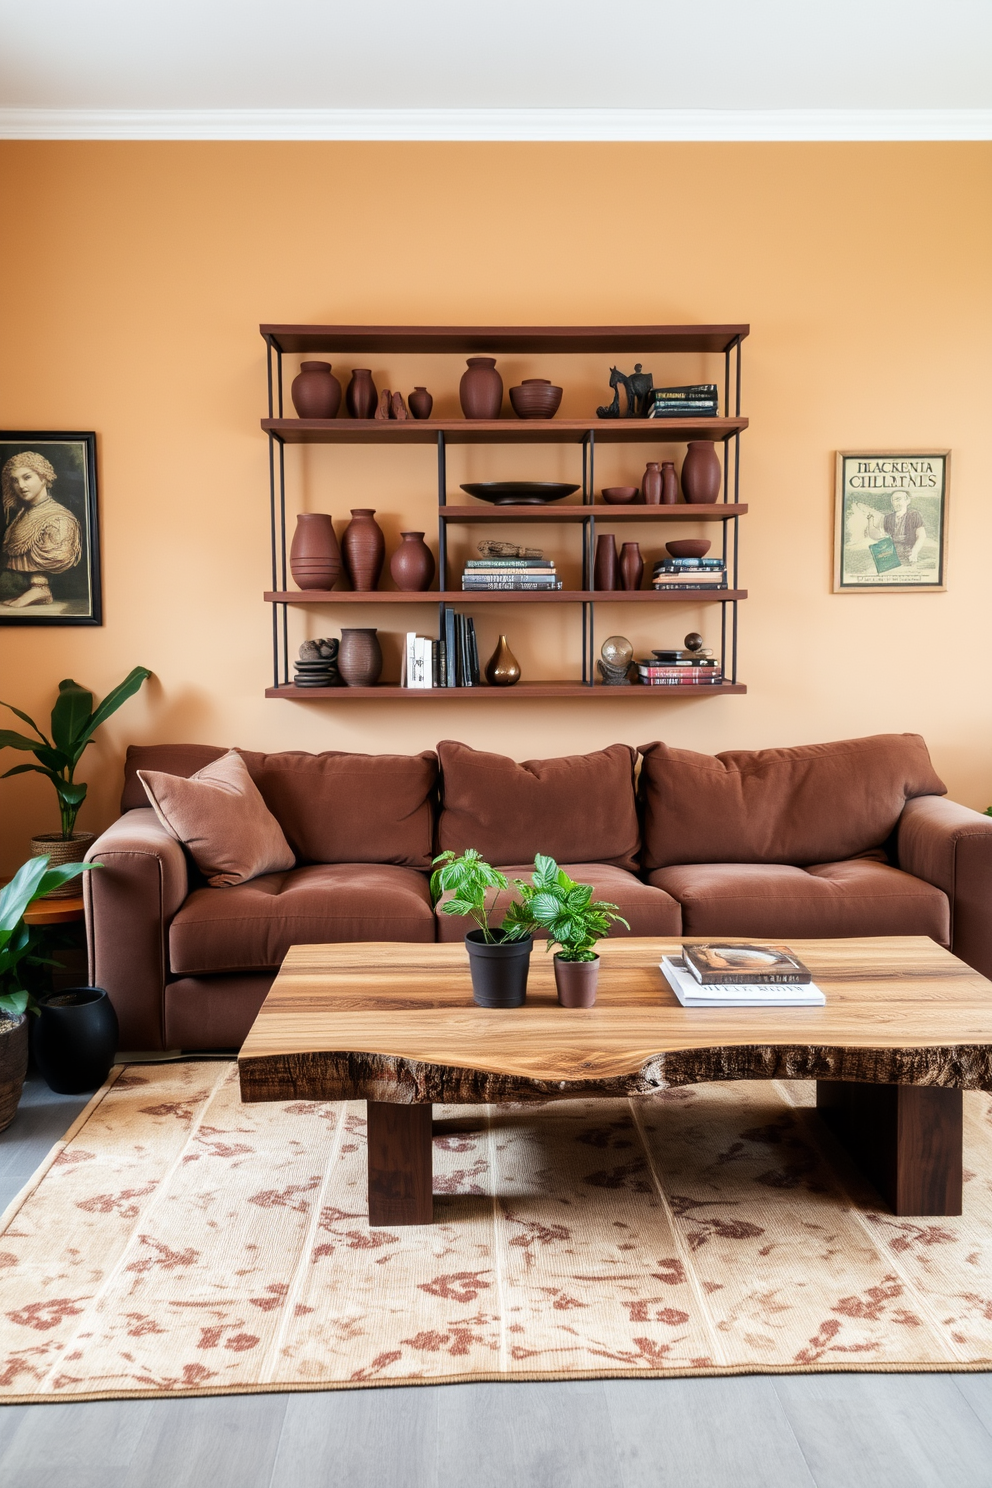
{"type": "Point", "coordinates": [890, 521]}
{"type": "Point", "coordinates": [50, 547]}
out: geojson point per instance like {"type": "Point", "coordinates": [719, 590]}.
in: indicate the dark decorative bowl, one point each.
{"type": "Point", "coordinates": [620, 495]}
{"type": "Point", "coordinates": [519, 493]}
{"type": "Point", "coordinates": [689, 547]}
{"type": "Point", "coordinates": [535, 398]}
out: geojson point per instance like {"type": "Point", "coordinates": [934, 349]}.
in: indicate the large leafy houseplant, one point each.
{"type": "Point", "coordinates": [499, 958]}
{"type": "Point", "coordinates": [73, 724]}
{"type": "Point", "coordinates": [574, 922]}
{"type": "Point", "coordinates": [18, 941]}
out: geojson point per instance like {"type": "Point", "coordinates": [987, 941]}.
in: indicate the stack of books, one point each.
{"type": "Point", "coordinates": [679, 668]}
{"type": "Point", "coordinates": [690, 573]}
{"type": "Point", "coordinates": [697, 400]}
{"type": "Point", "coordinates": [717, 975]}
{"type": "Point", "coordinates": [510, 573]}
{"type": "Point", "coordinates": [451, 661]}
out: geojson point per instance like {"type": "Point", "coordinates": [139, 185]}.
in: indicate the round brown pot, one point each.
{"type": "Point", "coordinates": [702, 475]}
{"type": "Point", "coordinates": [535, 398]}
{"type": "Point", "coordinates": [502, 668]}
{"type": "Point", "coordinates": [631, 566]}
{"type": "Point", "coordinates": [480, 391]}
{"type": "Point", "coordinates": [669, 483]}
{"type": "Point", "coordinates": [363, 548]}
{"type": "Point", "coordinates": [421, 403]}
{"type": "Point", "coordinates": [316, 393]}
{"type": "Point", "coordinates": [314, 557]}
{"type": "Point", "coordinates": [606, 569]}
{"type": "Point", "coordinates": [360, 658]}
{"type": "Point", "coordinates": [576, 982]}
{"type": "Point", "coordinates": [58, 850]}
{"type": "Point", "coordinates": [651, 484]}
{"type": "Point", "coordinates": [361, 397]}
{"type": "Point", "coordinates": [412, 565]}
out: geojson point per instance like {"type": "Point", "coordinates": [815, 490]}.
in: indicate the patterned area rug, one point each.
{"type": "Point", "coordinates": [178, 1242]}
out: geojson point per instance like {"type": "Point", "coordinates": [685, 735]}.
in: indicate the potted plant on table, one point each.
{"type": "Point", "coordinates": [499, 958]}
{"type": "Point", "coordinates": [74, 722]}
{"type": "Point", "coordinates": [574, 922]}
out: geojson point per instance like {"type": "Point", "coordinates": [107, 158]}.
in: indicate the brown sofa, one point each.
{"type": "Point", "coordinates": [844, 839]}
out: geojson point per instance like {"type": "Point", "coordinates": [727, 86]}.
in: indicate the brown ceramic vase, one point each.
{"type": "Point", "coordinates": [314, 557]}
{"type": "Point", "coordinates": [669, 483]}
{"type": "Point", "coordinates": [502, 668]}
{"type": "Point", "coordinates": [361, 396]}
{"type": "Point", "coordinates": [702, 475]}
{"type": "Point", "coordinates": [631, 566]}
{"type": "Point", "coordinates": [363, 548]}
{"type": "Point", "coordinates": [576, 982]}
{"type": "Point", "coordinates": [480, 391]}
{"type": "Point", "coordinates": [359, 658]}
{"type": "Point", "coordinates": [651, 484]}
{"type": "Point", "coordinates": [316, 393]}
{"type": "Point", "coordinates": [421, 403]}
{"type": "Point", "coordinates": [606, 569]}
{"type": "Point", "coordinates": [412, 565]}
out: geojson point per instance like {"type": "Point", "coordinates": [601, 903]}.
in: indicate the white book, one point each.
{"type": "Point", "coordinates": [418, 661]}
{"type": "Point", "coordinates": [408, 663]}
{"type": "Point", "coordinates": [737, 994]}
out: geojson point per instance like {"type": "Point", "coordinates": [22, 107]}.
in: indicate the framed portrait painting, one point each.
{"type": "Point", "coordinates": [890, 521]}
{"type": "Point", "coordinates": [50, 544]}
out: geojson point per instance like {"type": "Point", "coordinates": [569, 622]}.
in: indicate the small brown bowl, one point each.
{"type": "Point", "coordinates": [535, 398]}
{"type": "Point", "coordinates": [689, 547]}
{"type": "Point", "coordinates": [620, 495]}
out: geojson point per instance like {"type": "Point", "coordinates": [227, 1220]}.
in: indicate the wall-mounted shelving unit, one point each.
{"type": "Point", "coordinates": [610, 341]}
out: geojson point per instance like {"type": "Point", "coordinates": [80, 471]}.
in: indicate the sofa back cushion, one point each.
{"type": "Point", "coordinates": [333, 807]}
{"type": "Point", "coordinates": [817, 803]}
{"type": "Point", "coordinates": [579, 808]}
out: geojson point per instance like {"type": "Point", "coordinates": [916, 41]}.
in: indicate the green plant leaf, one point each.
{"type": "Point", "coordinates": [23, 770]}
{"type": "Point", "coordinates": [545, 908]}
{"type": "Point", "coordinates": [545, 873]}
{"type": "Point", "coordinates": [579, 897]}
{"type": "Point", "coordinates": [14, 1003]}
{"type": "Point", "coordinates": [19, 893]}
{"type": "Point", "coordinates": [111, 703]}
{"type": "Point", "coordinates": [56, 877]}
{"type": "Point", "coordinates": [11, 739]}
{"type": "Point", "coordinates": [26, 718]}
{"type": "Point", "coordinates": [70, 716]}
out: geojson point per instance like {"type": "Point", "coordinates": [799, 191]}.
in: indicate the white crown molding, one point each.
{"type": "Point", "coordinates": [509, 124]}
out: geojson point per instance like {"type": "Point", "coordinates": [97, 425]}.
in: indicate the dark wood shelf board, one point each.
{"type": "Point", "coordinates": [505, 596]}
{"type": "Point", "coordinates": [718, 511]}
{"type": "Point", "coordinates": [388, 692]}
{"type": "Point", "coordinates": [501, 431]}
{"type": "Point", "coordinates": [609, 340]}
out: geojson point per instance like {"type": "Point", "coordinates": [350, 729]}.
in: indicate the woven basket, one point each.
{"type": "Point", "coordinates": [13, 1065]}
{"type": "Point", "coordinates": [59, 850]}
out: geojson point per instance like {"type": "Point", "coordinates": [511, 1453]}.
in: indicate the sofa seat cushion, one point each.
{"type": "Point", "coordinates": [649, 910]}
{"type": "Point", "coordinates": [251, 926]}
{"type": "Point", "coordinates": [828, 900]}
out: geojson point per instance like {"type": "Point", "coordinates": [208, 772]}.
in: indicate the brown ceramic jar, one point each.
{"type": "Point", "coordinates": [502, 668]}
{"type": "Point", "coordinates": [315, 392]}
{"type": "Point", "coordinates": [361, 397]}
{"type": "Point", "coordinates": [631, 566]}
{"type": "Point", "coordinates": [669, 483]}
{"type": "Point", "coordinates": [651, 484]}
{"type": "Point", "coordinates": [702, 475]}
{"type": "Point", "coordinates": [421, 403]}
{"type": "Point", "coordinates": [412, 565]}
{"type": "Point", "coordinates": [363, 548]}
{"type": "Point", "coordinates": [606, 569]}
{"type": "Point", "coordinates": [314, 557]}
{"type": "Point", "coordinates": [480, 391]}
{"type": "Point", "coordinates": [359, 658]}
{"type": "Point", "coordinates": [576, 982]}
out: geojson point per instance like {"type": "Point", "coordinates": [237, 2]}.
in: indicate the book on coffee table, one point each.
{"type": "Point", "coordinates": [691, 993]}
{"type": "Point", "coordinates": [712, 962]}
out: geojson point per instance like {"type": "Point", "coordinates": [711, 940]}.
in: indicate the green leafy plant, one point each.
{"type": "Point", "coordinates": [573, 919]}
{"type": "Point", "coordinates": [74, 722]}
{"type": "Point", "coordinates": [18, 942]}
{"type": "Point", "coordinates": [470, 878]}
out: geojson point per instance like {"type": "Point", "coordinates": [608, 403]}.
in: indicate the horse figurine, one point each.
{"type": "Point", "coordinates": [636, 386]}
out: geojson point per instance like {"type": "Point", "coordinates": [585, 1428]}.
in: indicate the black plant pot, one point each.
{"type": "Point", "coordinates": [499, 969]}
{"type": "Point", "coordinates": [74, 1039]}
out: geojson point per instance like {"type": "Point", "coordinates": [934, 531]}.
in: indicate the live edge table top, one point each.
{"type": "Point", "coordinates": [395, 1022]}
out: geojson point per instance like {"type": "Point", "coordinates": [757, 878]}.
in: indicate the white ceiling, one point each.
{"type": "Point", "coordinates": [652, 60]}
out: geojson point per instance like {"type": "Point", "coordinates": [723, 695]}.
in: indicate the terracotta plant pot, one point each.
{"type": "Point", "coordinates": [13, 1064]}
{"type": "Point", "coordinates": [631, 566]}
{"type": "Point", "coordinates": [651, 484]}
{"type": "Point", "coordinates": [314, 557]}
{"type": "Point", "coordinates": [499, 970]}
{"type": "Point", "coordinates": [576, 982]}
{"type": "Point", "coordinates": [480, 391]}
{"type": "Point", "coordinates": [669, 483]}
{"type": "Point", "coordinates": [359, 658]}
{"type": "Point", "coordinates": [606, 569]}
{"type": "Point", "coordinates": [363, 549]}
{"type": "Point", "coordinates": [535, 398]}
{"type": "Point", "coordinates": [421, 403]}
{"type": "Point", "coordinates": [502, 668]}
{"type": "Point", "coordinates": [361, 397]}
{"type": "Point", "coordinates": [702, 475]}
{"type": "Point", "coordinates": [74, 1039]}
{"type": "Point", "coordinates": [412, 565]}
{"type": "Point", "coordinates": [315, 392]}
{"type": "Point", "coordinates": [58, 850]}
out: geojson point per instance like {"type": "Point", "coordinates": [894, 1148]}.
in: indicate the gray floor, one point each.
{"type": "Point", "coordinates": [834, 1431]}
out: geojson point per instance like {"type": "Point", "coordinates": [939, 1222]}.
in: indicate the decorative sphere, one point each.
{"type": "Point", "coordinates": [618, 651]}
{"type": "Point", "coordinates": [694, 641]}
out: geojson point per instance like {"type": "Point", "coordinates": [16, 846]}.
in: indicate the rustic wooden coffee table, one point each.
{"type": "Point", "coordinates": [905, 1029]}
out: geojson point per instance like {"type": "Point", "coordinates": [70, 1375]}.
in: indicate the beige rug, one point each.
{"type": "Point", "coordinates": [180, 1243]}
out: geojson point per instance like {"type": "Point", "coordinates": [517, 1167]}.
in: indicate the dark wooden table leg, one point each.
{"type": "Point", "coordinates": [401, 1168]}
{"type": "Point", "coordinates": [905, 1138]}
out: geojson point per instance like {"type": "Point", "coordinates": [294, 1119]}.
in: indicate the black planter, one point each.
{"type": "Point", "coordinates": [499, 970]}
{"type": "Point", "coordinates": [74, 1039]}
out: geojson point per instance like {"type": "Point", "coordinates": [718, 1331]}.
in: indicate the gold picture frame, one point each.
{"type": "Point", "coordinates": [890, 521]}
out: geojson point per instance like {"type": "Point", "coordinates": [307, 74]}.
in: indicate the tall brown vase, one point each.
{"type": "Point", "coordinates": [480, 391]}
{"type": "Point", "coordinates": [316, 393]}
{"type": "Point", "coordinates": [502, 668]}
{"type": "Point", "coordinates": [606, 569]}
{"type": "Point", "coordinates": [363, 548]}
{"type": "Point", "coordinates": [361, 396]}
{"type": "Point", "coordinates": [651, 484]}
{"type": "Point", "coordinates": [412, 565]}
{"type": "Point", "coordinates": [315, 558]}
{"type": "Point", "coordinates": [631, 566]}
{"type": "Point", "coordinates": [702, 475]}
{"type": "Point", "coordinates": [669, 483]}
{"type": "Point", "coordinates": [359, 658]}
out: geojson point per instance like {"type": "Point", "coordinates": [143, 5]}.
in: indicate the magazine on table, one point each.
{"type": "Point", "coordinates": [737, 994]}
{"type": "Point", "coordinates": [712, 962]}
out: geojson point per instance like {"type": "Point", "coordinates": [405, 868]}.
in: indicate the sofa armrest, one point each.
{"type": "Point", "coordinates": [130, 901]}
{"type": "Point", "coordinates": [950, 846]}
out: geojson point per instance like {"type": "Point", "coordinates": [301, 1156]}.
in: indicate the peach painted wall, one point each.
{"type": "Point", "coordinates": [133, 278]}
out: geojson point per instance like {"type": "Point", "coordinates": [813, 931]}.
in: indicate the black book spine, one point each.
{"type": "Point", "coordinates": [450, 649]}
{"type": "Point", "coordinates": [473, 652]}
